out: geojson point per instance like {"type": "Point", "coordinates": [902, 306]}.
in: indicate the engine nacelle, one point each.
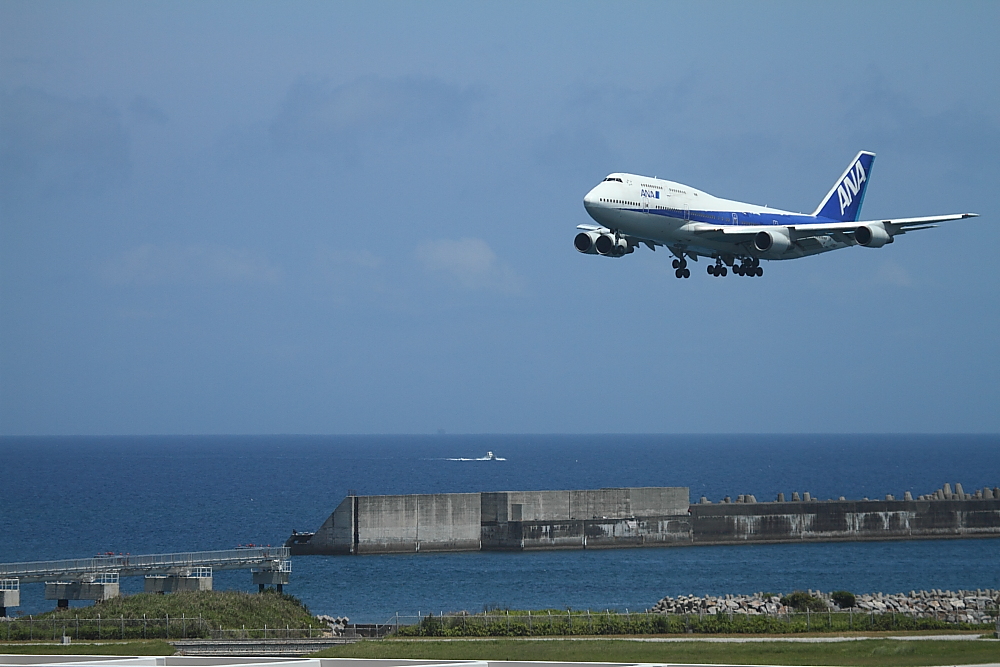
{"type": "Point", "coordinates": [584, 242]}
{"type": "Point", "coordinates": [872, 236]}
{"type": "Point", "coordinates": [772, 242]}
{"type": "Point", "coordinates": [609, 246]}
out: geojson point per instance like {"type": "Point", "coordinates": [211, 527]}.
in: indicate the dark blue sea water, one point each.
{"type": "Point", "coordinates": [75, 497]}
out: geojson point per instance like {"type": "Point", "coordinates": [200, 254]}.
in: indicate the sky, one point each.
{"type": "Point", "coordinates": [338, 218]}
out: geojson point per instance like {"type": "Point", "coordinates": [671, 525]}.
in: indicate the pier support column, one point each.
{"type": "Point", "coordinates": [277, 577]}
{"type": "Point", "coordinates": [64, 591]}
{"type": "Point", "coordinates": [10, 595]}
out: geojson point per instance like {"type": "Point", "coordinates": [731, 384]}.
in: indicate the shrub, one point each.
{"type": "Point", "coordinates": [844, 599]}
{"type": "Point", "coordinates": [803, 601]}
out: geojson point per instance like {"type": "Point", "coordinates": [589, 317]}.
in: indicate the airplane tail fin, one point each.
{"type": "Point", "coordinates": [843, 202]}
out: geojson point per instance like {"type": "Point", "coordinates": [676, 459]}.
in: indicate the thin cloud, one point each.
{"type": "Point", "coordinates": [53, 146]}
{"type": "Point", "coordinates": [319, 116]}
{"type": "Point", "coordinates": [192, 264]}
{"type": "Point", "coordinates": [469, 263]}
{"type": "Point", "coordinates": [144, 110]}
{"type": "Point", "coordinates": [891, 273]}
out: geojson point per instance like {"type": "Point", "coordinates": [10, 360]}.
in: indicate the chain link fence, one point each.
{"type": "Point", "coordinates": [566, 623]}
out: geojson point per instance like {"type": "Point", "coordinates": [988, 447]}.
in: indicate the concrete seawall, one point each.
{"type": "Point", "coordinates": [629, 517]}
{"type": "Point", "coordinates": [840, 520]}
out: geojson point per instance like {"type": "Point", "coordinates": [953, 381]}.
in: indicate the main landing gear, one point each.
{"type": "Point", "coordinates": [718, 269]}
{"type": "Point", "coordinates": [680, 268]}
{"type": "Point", "coordinates": [749, 266]}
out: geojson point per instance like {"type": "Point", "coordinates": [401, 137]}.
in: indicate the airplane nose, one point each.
{"type": "Point", "coordinates": [590, 198]}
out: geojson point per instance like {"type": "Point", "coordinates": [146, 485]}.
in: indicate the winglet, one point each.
{"type": "Point", "coordinates": [843, 202]}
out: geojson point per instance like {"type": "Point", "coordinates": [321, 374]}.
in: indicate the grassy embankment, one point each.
{"type": "Point", "coordinates": [192, 614]}
{"type": "Point", "coordinates": [862, 652]}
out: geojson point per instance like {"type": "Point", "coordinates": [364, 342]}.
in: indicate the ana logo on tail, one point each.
{"type": "Point", "coordinates": [850, 186]}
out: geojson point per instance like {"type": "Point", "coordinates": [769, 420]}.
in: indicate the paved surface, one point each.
{"type": "Point", "coordinates": [259, 661]}
{"type": "Point", "coordinates": [722, 640]}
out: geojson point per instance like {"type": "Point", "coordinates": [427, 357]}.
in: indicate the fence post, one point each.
{"type": "Point", "coordinates": [530, 628]}
{"type": "Point", "coordinates": [123, 626]}
{"type": "Point", "coordinates": [808, 620]}
{"type": "Point", "coordinates": [166, 634]}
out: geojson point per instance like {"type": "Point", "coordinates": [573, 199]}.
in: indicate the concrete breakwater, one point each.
{"type": "Point", "coordinates": [636, 516]}
{"type": "Point", "coordinates": [951, 606]}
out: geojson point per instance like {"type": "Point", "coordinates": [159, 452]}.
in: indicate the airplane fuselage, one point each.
{"type": "Point", "coordinates": [672, 214]}
{"type": "Point", "coordinates": [633, 210]}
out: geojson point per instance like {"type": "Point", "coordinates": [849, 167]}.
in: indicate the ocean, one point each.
{"type": "Point", "coordinates": [74, 497]}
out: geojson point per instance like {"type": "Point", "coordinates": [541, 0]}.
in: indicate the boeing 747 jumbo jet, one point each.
{"type": "Point", "coordinates": [637, 209]}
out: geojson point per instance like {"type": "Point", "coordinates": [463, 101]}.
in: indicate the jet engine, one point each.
{"type": "Point", "coordinates": [609, 246]}
{"type": "Point", "coordinates": [584, 242]}
{"type": "Point", "coordinates": [872, 236]}
{"type": "Point", "coordinates": [773, 242]}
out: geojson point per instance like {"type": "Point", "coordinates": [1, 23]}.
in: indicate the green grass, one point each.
{"type": "Point", "coordinates": [864, 652]}
{"type": "Point", "coordinates": [155, 647]}
{"type": "Point", "coordinates": [191, 614]}
{"type": "Point", "coordinates": [230, 609]}
{"type": "Point", "coordinates": [555, 623]}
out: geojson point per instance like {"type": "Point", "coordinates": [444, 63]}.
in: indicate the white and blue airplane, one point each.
{"type": "Point", "coordinates": [633, 210]}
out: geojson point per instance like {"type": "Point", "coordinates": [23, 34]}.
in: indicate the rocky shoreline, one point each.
{"type": "Point", "coordinates": [951, 606]}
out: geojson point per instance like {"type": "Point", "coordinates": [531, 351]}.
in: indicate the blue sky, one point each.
{"type": "Point", "coordinates": [358, 218]}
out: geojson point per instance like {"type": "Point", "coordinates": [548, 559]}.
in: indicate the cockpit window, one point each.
{"type": "Point", "coordinates": [612, 178]}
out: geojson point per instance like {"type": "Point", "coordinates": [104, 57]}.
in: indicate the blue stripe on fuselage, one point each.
{"type": "Point", "coordinates": [725, 218]}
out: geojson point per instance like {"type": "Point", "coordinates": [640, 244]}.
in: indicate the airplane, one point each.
{"type": "Point", "coordinates": [633, 210]}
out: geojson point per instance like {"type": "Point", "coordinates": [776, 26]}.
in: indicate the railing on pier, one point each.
{"type": "Point", "coordinates": [127, 565]}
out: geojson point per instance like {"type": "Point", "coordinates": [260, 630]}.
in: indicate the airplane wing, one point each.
{"type": "Point", "coordinates": [806, 230]}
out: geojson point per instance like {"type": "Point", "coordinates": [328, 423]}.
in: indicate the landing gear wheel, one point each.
{"type": "Point", "coordinates": [711, 270]}
{"type": "Point", "coordinates": [687, 273]}
{"type": "Point", "coordinates": [676, 264]}
{"type": "Point", "coordinates": [724, 272]}
{"type": "Point", "coordinates": [679, 273]}
{"type": "Point", "coordinates": [760, 272]}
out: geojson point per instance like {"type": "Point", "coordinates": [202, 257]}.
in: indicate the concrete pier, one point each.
{"type": "Point", "coordinates": [500, 521]}
{"type": "Point", "coordinates": [633, 517]}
